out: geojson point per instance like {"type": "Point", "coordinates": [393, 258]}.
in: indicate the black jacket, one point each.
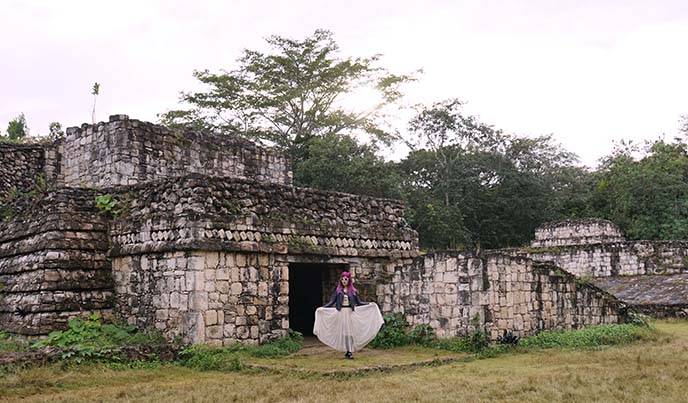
{"type": "Point", "coordinates": [338, 299]}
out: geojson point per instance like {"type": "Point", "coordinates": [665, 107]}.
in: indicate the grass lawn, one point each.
{"type": "Point", "coordinates": [650, 371]}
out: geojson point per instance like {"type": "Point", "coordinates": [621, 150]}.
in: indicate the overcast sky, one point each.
{"type": "Point", "coordinates": [590, 72]}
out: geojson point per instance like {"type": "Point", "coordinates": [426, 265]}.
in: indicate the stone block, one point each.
{"type": "Point", "coordinates": [211, 317]}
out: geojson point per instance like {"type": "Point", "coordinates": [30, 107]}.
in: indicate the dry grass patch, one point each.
{"type": "Point", "coordinates": [655, 371]}
{"type": "Point", "coordinates": [320, 358]}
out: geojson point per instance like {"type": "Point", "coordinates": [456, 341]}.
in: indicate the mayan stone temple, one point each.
{"type": "Point", "coordinates": [206, 239]}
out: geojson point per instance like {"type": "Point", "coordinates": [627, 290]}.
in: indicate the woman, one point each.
{"type": "Point", "coordinates": [346, 323]}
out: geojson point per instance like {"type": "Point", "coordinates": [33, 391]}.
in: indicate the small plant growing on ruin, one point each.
{"type": "Point", "coordinates": [298, 242]}
{"type": "Point", "coordinates": [231, 208]}
{"type": "Point", "coordinates": [583, 280]}
{"type": "Point", "coordinates": [107, 204]}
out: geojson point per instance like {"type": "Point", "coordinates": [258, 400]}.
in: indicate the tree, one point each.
{"type": "Point", "coordinates": [17, 129]}
{"type": "Point", "coordinates": [340, 163]}
{"type": "Point", "coordinates": [290, 96]}
{"type": "Point", "coordinates": [469, 185]}
{"type": "Point", "coordinates": [646, 196]}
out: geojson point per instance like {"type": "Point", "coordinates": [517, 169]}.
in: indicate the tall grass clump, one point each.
{"type": "Point", "coordinates": [10, 343]}
{"type": "Point", "coordinates": [588, 338]}
{"type": "Point", "coordinates": [229, 358]}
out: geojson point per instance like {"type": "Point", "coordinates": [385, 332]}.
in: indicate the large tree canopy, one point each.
{"type": "Point", "coordinates": [647, 196]}
{"type": "Point", "coordinates": [291, 95]}
{"type": "Point", "coordinates": [469, 185]}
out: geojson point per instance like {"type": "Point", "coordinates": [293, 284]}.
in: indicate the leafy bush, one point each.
{"type": "Point", "coordinates": [394, 332]}
{"type": "Point", "coordinates": [92, 339]}
{"type": "Point", "coordinates": [591, 337]}
{"type": "Point", "coordinates": [208, 358]}
{"type": "Point", "coordinates": [93, 332]}
{"type": "Point", "coordinates": [422, 335]}
{"type": "Point", "coordinates": [475, 342]}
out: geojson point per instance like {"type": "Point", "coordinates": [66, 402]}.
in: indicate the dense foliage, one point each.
{"type": "Point", "coordinates": [94, 339]}
{"type": "Point", "coordinates": [646, 195]}
{"type": "Point", "coordinates": [396, 332]}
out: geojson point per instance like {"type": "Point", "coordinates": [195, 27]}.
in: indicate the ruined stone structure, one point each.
{"type": "Point", "coordinates": [206, 239]}
{"type": "Point", "coordinates": [651, 276]}
{"type": "Point", "coordinates": [452, 292]}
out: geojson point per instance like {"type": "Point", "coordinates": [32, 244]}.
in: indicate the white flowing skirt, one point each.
{"type": "Point", "coordinates": [348, 329]}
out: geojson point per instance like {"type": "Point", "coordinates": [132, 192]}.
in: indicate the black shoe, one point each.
{"type": "Point", "coordinates": [348, 355]}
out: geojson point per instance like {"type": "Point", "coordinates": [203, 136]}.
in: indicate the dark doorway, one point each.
{"type": "Point", "coordinates": [306, 293]}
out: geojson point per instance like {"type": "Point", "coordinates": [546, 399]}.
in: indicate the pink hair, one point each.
{"type": "Point", "coordinates": [350, 288]}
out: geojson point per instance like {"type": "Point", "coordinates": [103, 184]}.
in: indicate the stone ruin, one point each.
{"type": "Point", "coordinates": [205, 238]}
{"type": "Point", "coordinates": [650, 276]}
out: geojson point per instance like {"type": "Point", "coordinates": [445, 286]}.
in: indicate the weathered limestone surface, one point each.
{"type": "Point", "coordinates": [126, 151]}
{"type": "Point", "coordinates": [648, 275]}
{"type": "Point", "coordinates": [577, 232]}
{"type": "Point", "coordinates": [19, 167]}
{"type": "Point", "coordinates": [53, 262]}
{"type": "Point", "coordinates": [202, 213]}
{"type": "Point", "coordinates": [455, 293]}
{"type": "Point", "coordinates": [628, 258]}
{"type": "Point", "coordinates": [658, 296]}
{"type": "Point", "coordinates": [205, 297]}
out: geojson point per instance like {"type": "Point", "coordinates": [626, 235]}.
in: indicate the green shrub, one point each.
{"type": "Point", "coordinates": [92, 339]}
{"type": "Point", "coordinates": [107, 204]}
{"type": "Point", "coordinates": [591, 337]}
{"type": "Point", "coordinates": [474, 343]}
{"type": "Point", "coordinates": [423, 335]}
{"type": "Point", "coordinates": [93, 332]}
{"type": "Point", "coordinates": [394, 332]}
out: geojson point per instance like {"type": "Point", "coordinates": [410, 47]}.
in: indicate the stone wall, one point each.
{"type": "Point", "coordinates": [454, 293]}
{"type": "Point", "coordinates": [20, 165]}
{"type": "Point", "coordinates": [577, 232]}
{"type": "Point", "coordinates": [53, 263]}
{"type": "Point", "coordinates": [202, 213]}
{"type": "Point", "coordinates": [205, 297]}
{"type": "Point", "coordinates": [629, 258]}
{"type": "Point", "coordinates": [126, 151]}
